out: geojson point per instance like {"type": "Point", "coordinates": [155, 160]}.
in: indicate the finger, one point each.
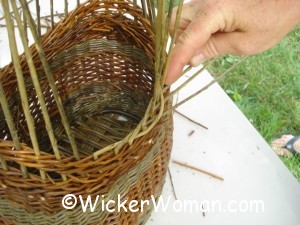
{"type": "Point", "coordinates": [187, 15]}
{"type": "Point", "coordinates": [184, 21]}
{"type": "Point", "coordinates": [192, 39]}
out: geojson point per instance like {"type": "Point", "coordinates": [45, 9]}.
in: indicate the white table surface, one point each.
{"type": "Point", "coordinates": [234, 150]}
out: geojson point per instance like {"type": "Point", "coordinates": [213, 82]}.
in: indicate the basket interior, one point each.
{"type": "Point", "coordinates": [105, 83]}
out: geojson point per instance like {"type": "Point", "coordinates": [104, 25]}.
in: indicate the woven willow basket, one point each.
{"type": "Point", "coordinates": [84, 110]}
{"type": "Point", "coordinates": [93, 76]}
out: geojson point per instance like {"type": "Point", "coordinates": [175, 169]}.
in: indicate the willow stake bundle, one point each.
{"type": "Point", "coordinates": [84, 110]}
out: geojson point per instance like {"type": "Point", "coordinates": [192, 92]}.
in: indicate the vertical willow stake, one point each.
{"type": "Point", "coordinates": [66, 8]}
{"type": "Point", "coordinates": [38, 15]}
{"type": "Point", "coordinates": [51, 80]}
{"type": "Point", "coordinates": [51, 13]}
{"type": "Point", "coordinates": [144, 9]}
{"type": "Point", "coordinates": [36, 84]}
{"type": "Point", "coordinates": [176, 25]}
{"type": "Point", "coordinates": [151, 12]}
{"type": "Point", "coordinates": [25, 27]}
{"type": "Point", "coordinates": [11, 127]}
{"type": "Point", "coordinates": [21, 82]}
{"type": "Point", "coordinates": [10, 123]}
{"type": "Point", "coordinates": [158, 48]}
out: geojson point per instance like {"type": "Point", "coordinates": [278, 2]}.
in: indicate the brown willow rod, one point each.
{"type": "Point", "coordinates": [51, 80]}
{"type": "Point", "coordinates": [38, 15]}
{"type": "Point", "coordinates": [198, 170]}
{"type": "Point", "coordinates": [78, 3]}
{"type": "Point", "coordinates": [52, 14]}
{"type": "Point", "coordinates": [37, 86]}
{"type": "Point", "coordinates": [21, 82]}
{"type": "Point", "coordinates": [66, 8]}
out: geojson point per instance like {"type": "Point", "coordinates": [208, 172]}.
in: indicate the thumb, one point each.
{"type": "Point", "coordinates": [186, 47]}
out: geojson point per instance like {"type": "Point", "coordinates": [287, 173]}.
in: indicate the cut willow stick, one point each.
{"type": "Point", "coordinates": [37, 86]}
{"type": "Point", "coordinates": [38, 15]}
{"type": "Point", "coordinates": [78, 3]}
{"type": "Point", "coordinates": [193, 121]}
{"type": "Point", "coordinates": [21, 82]}
{"type": "Point", "coordinates": [198, 170]}
{"type": "Point", "coordinates": [51, 80]}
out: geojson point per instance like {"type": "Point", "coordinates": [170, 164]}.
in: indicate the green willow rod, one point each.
{"type": "Point", "coordinates": [21, 82]}
{"type": "Point", "coordinates": [208, 85]}
{"type": "Point", "coordinates": [51, 80]}
{"type": "Point", "coordinates": [173, 37]}
{"type": "Point", "coordinates": [38, 15]}
{"type": "Point", "coordinates": [37, 86]}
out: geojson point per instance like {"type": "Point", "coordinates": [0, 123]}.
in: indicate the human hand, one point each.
{"type": "Point", "coordinates": [209, 28]}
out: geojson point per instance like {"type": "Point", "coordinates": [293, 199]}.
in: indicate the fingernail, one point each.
{"type": "Point", "coordinates": [197, 60]}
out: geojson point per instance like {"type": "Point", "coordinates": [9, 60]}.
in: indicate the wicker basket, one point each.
{"type": "Point", "coordinates": [102, 58]}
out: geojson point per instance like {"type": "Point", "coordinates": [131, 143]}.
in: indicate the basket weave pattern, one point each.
{"type": "Point", "coordinates": [103, 64]}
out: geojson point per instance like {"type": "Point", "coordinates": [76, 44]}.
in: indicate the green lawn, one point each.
{"type": "Point", "coordinates": [266, 88]}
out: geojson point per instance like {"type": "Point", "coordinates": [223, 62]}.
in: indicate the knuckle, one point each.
{"type": "Point", "coordinates": [212, 49]}
{"type": "Point", "coordinates": [183, 38]}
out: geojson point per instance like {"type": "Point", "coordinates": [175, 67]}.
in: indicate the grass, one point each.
{"type": "Point", "coordinates": [266, 88]}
